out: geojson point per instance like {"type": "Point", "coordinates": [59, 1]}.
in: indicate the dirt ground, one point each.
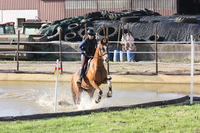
{"type": "Point", "coordinates": [114, 67]}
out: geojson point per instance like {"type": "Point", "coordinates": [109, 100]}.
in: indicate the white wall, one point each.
{"type": "Point", "coordinates": [12, 15]}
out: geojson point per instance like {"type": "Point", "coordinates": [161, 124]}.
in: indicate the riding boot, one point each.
{"type": "Point", "coordinates": [80, 74]}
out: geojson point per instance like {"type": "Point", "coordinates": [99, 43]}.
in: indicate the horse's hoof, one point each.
{"type": "Point", "coordinates": [97, 100]}
{"type": "Point", "coordinates": [109, 94]}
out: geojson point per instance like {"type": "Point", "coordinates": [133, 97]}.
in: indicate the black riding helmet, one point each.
{"type": "Point", "coordinates": [91, 32]}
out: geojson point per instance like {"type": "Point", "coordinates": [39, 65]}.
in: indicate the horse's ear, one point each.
{"type": "Point", "coordinates": [104, 41]}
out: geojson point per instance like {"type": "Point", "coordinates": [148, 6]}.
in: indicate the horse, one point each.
{"type": "Point", "coordinates": [95, 76]}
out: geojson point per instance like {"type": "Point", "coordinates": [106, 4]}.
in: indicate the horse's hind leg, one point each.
{"type": "Point", "coordinates": [109, 82]}
{"type": "Point", "coordinates": [76, 92]}
{"type": "Point", "coordinates": [76, 96]}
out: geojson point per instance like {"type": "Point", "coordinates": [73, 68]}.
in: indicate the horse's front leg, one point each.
{"type": "Point", "coordinates": [109, 82]}
{"type": "Point", "coordinates": [99, 90]}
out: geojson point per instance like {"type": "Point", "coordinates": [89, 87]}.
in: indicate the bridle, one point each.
{"type": "Point", "coordinates": [103, 49]}
{"type": "Point", "coordinates": [101, 54]}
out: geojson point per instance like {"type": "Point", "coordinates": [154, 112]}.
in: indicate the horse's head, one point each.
{"type": "Point", "coordinates": [104, 41]}
{"type": "Point", "coordinates": [103, 49]}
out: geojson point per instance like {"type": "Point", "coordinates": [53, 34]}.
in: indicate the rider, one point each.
{"type": "Point", "coordinates": [88, 47]}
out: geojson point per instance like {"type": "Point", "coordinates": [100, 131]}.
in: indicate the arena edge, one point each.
{"type": "Point", "coordinates": [154, 79]}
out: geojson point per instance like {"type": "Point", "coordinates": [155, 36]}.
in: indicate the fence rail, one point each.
{"type": "Point", "coordinates": [153, 66]}
{"type": "Point", "coordinates": [144, 67]}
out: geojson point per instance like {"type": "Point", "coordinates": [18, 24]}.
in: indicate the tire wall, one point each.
{"type": "Point", "coordinates": [141, 24]}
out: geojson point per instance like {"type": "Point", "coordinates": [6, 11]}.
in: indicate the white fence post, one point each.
{"type": "Point", "coordinates": [192, 71]}
{"type": "Point", "coordinates": [56, 86]}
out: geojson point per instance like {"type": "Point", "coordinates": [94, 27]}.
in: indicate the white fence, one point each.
{"type": "Point", "coordinates": [156, 65]}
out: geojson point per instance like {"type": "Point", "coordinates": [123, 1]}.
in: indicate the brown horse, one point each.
{"type": "Point", "coordinates": [95, 76]}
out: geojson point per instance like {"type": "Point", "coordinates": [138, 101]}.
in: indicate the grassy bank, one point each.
{"type": "Point", "coordinates": [173, 119]}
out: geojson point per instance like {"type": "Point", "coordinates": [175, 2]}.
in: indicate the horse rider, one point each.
{"type": "Point", "coordinates": [88, 47]}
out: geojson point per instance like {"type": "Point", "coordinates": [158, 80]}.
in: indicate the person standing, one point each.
{"type": "Point", "coordinates": [87, 47]}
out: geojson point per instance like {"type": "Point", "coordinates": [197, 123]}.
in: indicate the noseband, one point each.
{"type": "Point", "coordinates": [102, 54]}
{"type": "Point", "coordinates": [101, 49]}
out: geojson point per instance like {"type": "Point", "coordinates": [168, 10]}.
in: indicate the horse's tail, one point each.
{"type": "Point", "coordinates": [72, 90]}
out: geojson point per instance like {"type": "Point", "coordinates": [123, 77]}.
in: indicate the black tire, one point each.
{"type": "Point", "coordinates": [83, 21]}
{"type": "Point", "coordinates": [64, 32]}
{"type": "Point", "coordinates": [54, 36]}
{"type": "Point", "coordinates": [92, 15]}
{"type": "Point", "coordinates": [112, 32]}
{"type": "Point", "coordinates": [73, 26]}
{"type": "Point", "coordinates": [118, 16]}
{"type": "Point", "coordinates": [153, 21]}
{"type": "Point", "coordinates": [138, 39]}
{"type": "Point", "coordinates": [112, 16]}
{"type": "Point", "coordinates": [81, 32]}
{"type": "Point", "coordinates": [130, 19]}
{"type": "Point", "coordinates": [186, 19]}
{"type": "Point", "coordinates": [72, 36]}
{"type": "Point", "coordinates": [137, 13]}
{"type": "Point", "coordinates": [105, 13]}
{"type": "Point", "coordinates": [152, 38]}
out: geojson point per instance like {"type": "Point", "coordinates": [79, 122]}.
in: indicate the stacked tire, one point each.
{"type": "Point", "coordinates": [113, 31]}
{"type": "Point", "coordinates": [130, 19]}
{"type": "Point", "coordinates": [186, 19]}
{"type": "Point", "coordinates": [71, 33]}
{"type": "Point", "coordinates": [76, 31]}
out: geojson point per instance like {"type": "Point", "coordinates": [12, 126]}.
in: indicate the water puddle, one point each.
{"type": "Point", "coordinates": [25, 98]}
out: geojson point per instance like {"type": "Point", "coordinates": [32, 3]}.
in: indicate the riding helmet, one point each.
{"type": "Point", "coordinates": [91, 32]}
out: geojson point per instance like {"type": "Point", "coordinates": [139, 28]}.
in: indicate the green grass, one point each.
{"type": "Point", "coordinates": [166, 119]}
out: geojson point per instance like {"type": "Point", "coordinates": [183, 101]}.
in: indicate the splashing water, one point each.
{"type": "Point", "coordinates": [87, 103]}
{"type": "Point", "coordinates": [45, 100]}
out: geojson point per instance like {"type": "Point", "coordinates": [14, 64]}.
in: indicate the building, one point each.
{"type": "Point", "coordinates": [19, 11]}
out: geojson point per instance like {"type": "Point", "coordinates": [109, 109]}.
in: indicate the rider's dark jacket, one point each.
{"type": "Point", "coordinates": [89, 46]}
